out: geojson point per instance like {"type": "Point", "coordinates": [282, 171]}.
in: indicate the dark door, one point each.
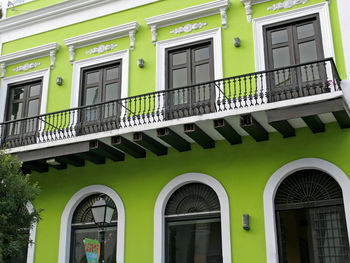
{"type": "Point", "coordinates": [293, 43]}
{"type": "Point", "coordinates": [310, 219]}
{"type": "Point", "coordinates": [100, 90]}
{"type": "Point", "coordinates": [23, 105]}
{"type": "Point", "coordinates": [190, 66]}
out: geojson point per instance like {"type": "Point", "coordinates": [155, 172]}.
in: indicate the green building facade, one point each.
{"type": "Point", "coordinates": [217, 130]}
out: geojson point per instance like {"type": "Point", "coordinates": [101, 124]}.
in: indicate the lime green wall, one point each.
{"type": "Point", "coordinates": [242, 169]}
{"type": "Point", "coordinates": [235, 60]}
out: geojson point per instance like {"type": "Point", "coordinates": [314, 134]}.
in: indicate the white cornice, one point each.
{"type": "Point", "coordinates": [124, 30]}
{"type": "Point", "coordinates": [63, 14]}
{"type": "Point", "coordinates": [28, 54]}
{"type": "Point", "coordinates": [48, 13]}
{"type": "Point", "coordinates": [190, 13]}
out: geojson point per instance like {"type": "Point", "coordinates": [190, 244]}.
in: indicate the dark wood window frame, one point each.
{"type": "Point", "coordinates": [26, 99]}
{"type": "Point", "coordinates": [292, 37]}
{"type": "Point", "coordinates": [188, 101]}
{"type": "Point", "coordinates": [295, 82]}
{"type": "Point", "coordinates": [102, 82]}
{"type": "Point", "coordinates": [14, 131]}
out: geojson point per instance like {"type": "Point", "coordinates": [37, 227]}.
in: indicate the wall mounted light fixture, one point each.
{"type": "Point", "coordinates": [59, 81]}
{"type": "Point", "coordinates": [141, 63]}
{"type": "Point", "coordinates": [237, 42]}
{"type": "Point", "coordinates": [246, 222]}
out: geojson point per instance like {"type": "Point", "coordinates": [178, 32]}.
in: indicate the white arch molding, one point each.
{"type": "Point", "coordinates": [273, 184]}
{"type": "Point", "coordinates": [67, 215]}
{"type": "Point", "coordinates": [32, 234]}
{"type": "Point", "coordinates": [162, 200]}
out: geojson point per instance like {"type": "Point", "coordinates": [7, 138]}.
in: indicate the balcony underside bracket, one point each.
{"type": "Point", "coordinates": [226, 130]}
{"type": "Point", "coordinates": [342, 118]}
{"type": "Point", "coordinates": [102, 149]}
{"type": "Point", "coordinates": [199, 136]}
{"type": "Point", "coordinates": [284, 128]}
{"type": "Point", "coordinates": [72, 160]}
{"type": "Point", "coordinates": [173, 139]}
{"type": "Point", "coordinates": [254, 128]}
{"type": "Point", "coordinates": [128, 147]}
{"type": "Point", "coordinates": [149, 143]}
{"type": "Point", "coordinates": [314, 123]}
{"type": "Point", "coordinates": [38, 166]}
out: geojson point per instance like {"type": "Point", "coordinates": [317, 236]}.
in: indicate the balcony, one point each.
{"type": "Point", "coordinates": [252, 104]}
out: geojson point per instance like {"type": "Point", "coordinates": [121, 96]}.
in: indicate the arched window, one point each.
{"type": "Point", "coordinates": [193, 225]}
{"type": "Point", "coordinates": [83, 226]}
{"type": "Point", "coordinates": [310, 219]}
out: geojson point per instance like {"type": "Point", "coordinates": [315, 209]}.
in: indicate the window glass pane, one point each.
{"type": "Point", "coordinates": [91, 96]}
{"type": "Point", "coordinates": [179, 58]}
{"type": "Point", "coordinates": [195, 241]}
{"type": "Point", "coordinates": [92, 77]}
{"type": "Point", "coordinates": [202, 73]}
{"type": "Point", "coordinates": [201, 54]}
{"type": "Point", "coordinates": [78, 250]}
{"type": "Point", "coordinates": [112, 91]}
{"type": "Point", "coordinates": [35, 90]}
{"type": "Point", "coordinates": [179, 77]}
{"type": "Point", "coordinates": [16, 111]}
{"type": "Point", "coordinates": [278, 37]}
{"type": "Point", "coordinates": [18, 93]}
{"type": "Point", "coordinates": [33, 108]}
{"type": "Point", "coordinates": [112, 73]}
{"type": "Point", "coordinates": [307, 51]}
{"type": "Point", "coordinates": [281, 57]}
{"type": "Point", "coordinates": [305, 31]}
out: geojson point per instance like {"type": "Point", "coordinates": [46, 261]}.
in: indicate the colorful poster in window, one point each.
{"type": "Point", "coordinates": [92, 250]}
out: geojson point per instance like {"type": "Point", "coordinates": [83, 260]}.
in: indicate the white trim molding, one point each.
{"type": "Point", "coordinates": [214, 34]}
{"type": "Point", "coordinates": [343, 11]}
{"type": "Point", "coordinates": [78, 65]}
{"type": "Point", "coordinates": [28, 54]}
{"type": "Point", "coordinates": [273, 184]}
{"type": "Point", "coordinates": [107, 34]}
{"type": "Point", "coordinates": [62, 14]}
{"type": "Point", "coordinates": [43, 73]}
{"type": "Point", "coordinates": [163, 197]}
{"type": "Point", "coordinates": [187, 14]}
{"type": "Point", "coordinates": [32, 236]}
{"type": "Point", "coordinates": [67, 215]}
{"type": "Point", "coordinates": [325, 23]}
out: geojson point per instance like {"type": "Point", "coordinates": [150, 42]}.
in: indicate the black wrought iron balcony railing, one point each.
{"type": "Point", "coordinates": [226, 94]}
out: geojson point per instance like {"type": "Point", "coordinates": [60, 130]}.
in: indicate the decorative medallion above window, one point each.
{"type": "Point", "coordinates": [120, 31]}
{"type": "Point", "coordinates": [187, 14]}
{"type": "Point", "coordinates": [28, 54]}
{"type": "Point", "coordinates": [286, 4]}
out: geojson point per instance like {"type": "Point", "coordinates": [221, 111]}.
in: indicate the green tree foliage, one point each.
{"type": "Point", "coordinates": [16, 191]}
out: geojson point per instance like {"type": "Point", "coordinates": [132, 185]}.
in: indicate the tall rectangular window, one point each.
{"type": "Point", "coordinates": [23, 102]}
{"type": "Point", "coordinates": [291, 43]}
{"type": "Point", "coordinates": [190, 65]}
{"type": "Point", "coordinates": [100, 87]}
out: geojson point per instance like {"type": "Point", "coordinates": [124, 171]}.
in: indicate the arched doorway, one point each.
{"type": "Point", "coordinates": [310, 219]}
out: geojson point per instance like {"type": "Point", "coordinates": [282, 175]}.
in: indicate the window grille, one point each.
{"type": "Point", "coordinates": [308, 186]}
{"type": "Point", "coordinates": [192, 198]}
{"type": "Point", "coordinates": [83, 212]}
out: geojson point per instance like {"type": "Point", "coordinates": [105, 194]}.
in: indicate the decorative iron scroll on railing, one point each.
{"type": "Point", "coordinates": [220, 95]}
